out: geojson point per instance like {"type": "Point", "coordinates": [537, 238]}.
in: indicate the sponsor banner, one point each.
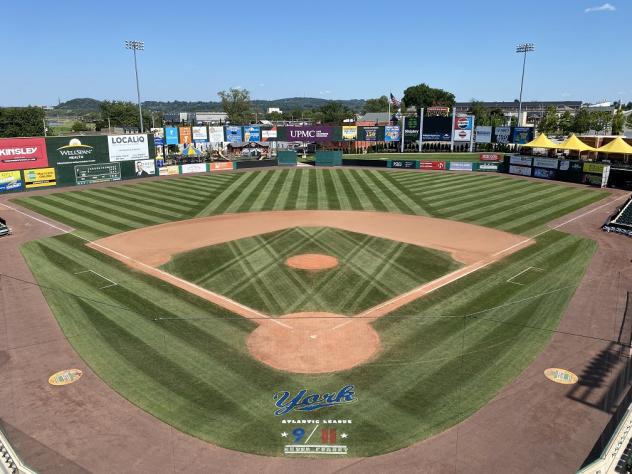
{"type": "Point", "coordinates": [411, 164]}
{"type": "Point", "coordinates": [483, 134]}
{"type": "Point", "coordinates": [488, 166]}
{"type": "Point", "coordinates": [464, 122]}
{"type": "Point", "coordinates": [520, 160]}
{"type": "Point", "coordinates": [596, 168]}
{"type": "Point", "coordinates": [491, 157]}
{"type": "Point", "coordinates": [502, 134]}
{"type": "Point", "coordinates": [270, 134]}
{"type": "Point", "coordinates": [544, 173]}
{"type": "Point", "coordinates": [199, 134]}
{"type": "Point", "coordinates": [159, 136]}
{"type": "Point", "coordinates": [460, 166]}
{"type": "Point", "coordinates": [550, 163]}
{"type": "Point", "coordinates": [522, 135]}
{"type": "Point", "coordinates": [10, 181]}
{"type": "Point", "coordinates": [521, 170]}
{"type": "Point", "coordinates": [391, 133]}
{"type": "Point", "coordinates": [40, 177]}
{"type": "Point", "coordinates": [184, 134]}
{"type": "Point", "coordinates": [252, 134]}
{"type": "Point", "coordinates": [65, 377]}
{"type": "Point", "coordinates": [194, 168]}
{"type": "Point", "coordinates": [66, 151]}
{"type": "Point", "coordinates": [128, 147]}
{"type": "Point", "coordinates": [562, 376]}
{"type": "Point", "coordinates": [233, 134]}
{"type": "Point", "coordinates": [216, 134]}
{"type": "Point", "coordinates": [371, 134]}
{"type": "Point", "coordinates": [349, 133]}
{"type": "Point", "coordinates": [97, 173]}
{"type": "Point", "coordinates": [171, 135]}
{"type": "Point", "coordinates": [564, 165]}
{"type": "Point", "coordinates": [411, 130]}
{"type": "Point", "coordinates": [432, 165]}
{"type": "Point", "coordinates": [437, 129]}
{"type": "Point", "coordinates": [462, 135]}
{"type": "Point", "coordinates": [22, 153]}
{"type": "Point", "coordinates": [310, 133]}
{"type": "Point", "coordinates": [220, 165]}
{"type": "Point", "coordinates": [143, 168]}
{"type": "Point", "coordinates": [169, 170]}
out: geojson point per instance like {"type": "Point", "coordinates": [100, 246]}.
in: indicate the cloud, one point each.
{"type": "Point", "coordinates": [606, 7]}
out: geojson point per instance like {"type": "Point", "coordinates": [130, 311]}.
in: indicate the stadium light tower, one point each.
{"type": "Point", "coordinates": [137, 46]}
{"type": "Point", "coordinates": [523, 48]}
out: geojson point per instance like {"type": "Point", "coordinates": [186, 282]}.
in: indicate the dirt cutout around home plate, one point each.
{"type": "Point", "coordinates": [312, 261]}
{"type": "Point", "coordinates": [312, 342]}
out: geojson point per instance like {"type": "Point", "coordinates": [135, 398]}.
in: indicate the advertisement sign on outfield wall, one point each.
{"type": "Point", "coordinates": [502, 134]}
{"type": "Point", "coordinates": [38, 178]}
{"type": "Point", "coordinates": [391, 133]}
{"type": "Point", "coordinates": [270, 134]}
{"type": "Point", "coordinates": [171, 136]}
{"type": "Point", "coordinates": [521, 170]}
{"type": "Point", "coordinates": [169, 170]}
{"type": "Point", "coordinates": [490, 157]}
{"type": "Point", "coordinates": [22, 153]}
{"type": "Point", "coordinates": [463, 128]}
{"type": "Point", "coordinates": [483, 134]}
{"type": "Point", "coordinates": [159, 136]}
{"type": "Point", "coordinates": [144, 168]}
{"type": "Point", "coordinates": [520, 160]}
{"type": "Point", "coordinates": [10, 181]}
{"type": "Point", "coordinates": [370, 134]}
{"type": "Point", "coordinates": [194, 168]}
{"type": "Point", "coordinates": [488, 166]}
{"type": "Point", "coordinates": [185, 135]}
{"type": "Point", "coordinates": [252, 134]}
{"type": "Point", "coordinates": [437, 129]}
{"type": "Point", "coordinates": [199, 134]}
{"type": "Point", "coordinates": [544, 173]}
{"type": "Point", "coordinates": [233, 134]}
{"type": "Point", "coordinates": [595, 168]}
{"type": "Point", "coordinates": [432, 165]}
{"type": "Point", "coordinates": [409, 164]}
{"type": "Point", "coordinates": [128, 147]}
{"type": "Point", "coordinates": [550, 163]}
{"type": "Point", "coordinates": [310, 133]}
{"type": "Point", "coordinates": [216, 134]}
{"type": "Point", "coordinates": [522, 135]}
{"type": "Point", "coordinates": [67, 153]}
{"type": "Point", "coordinates": [349, 133]}
{"type": "Point", "coordinates": [460, 166]}
{"type": "Point", "coordinates": [97, 173]}
{"type": "Point", "coordinates": [220, 165]}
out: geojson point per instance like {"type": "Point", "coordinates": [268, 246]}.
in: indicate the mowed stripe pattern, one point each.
{"type": "Point", "coordinates": [492, 200]}
{"type": "Point", "coordinates": [252, 271]}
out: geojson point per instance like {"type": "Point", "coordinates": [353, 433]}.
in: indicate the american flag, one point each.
{"type": "Point", "coordinates": [394, 101]}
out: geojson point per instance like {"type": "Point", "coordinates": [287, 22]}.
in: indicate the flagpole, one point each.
{"type": "Point", "coordinates": [421, 128]}
{"type": "Point", "coordinates": [403, 133]}
{"type": "Point", "coordinates": [389, 107]}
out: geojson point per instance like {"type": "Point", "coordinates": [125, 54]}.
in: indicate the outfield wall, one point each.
{"type": "Point", "coordinates": [43, 162]}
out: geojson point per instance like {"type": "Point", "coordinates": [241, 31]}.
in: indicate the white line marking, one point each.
{"type": "Point", "coordinates": [310, 435]}
{"type": "Point", "coordinates": [112, 283]}
{"type": "Point", "coordinates": [520, 273]}
{"type": "Point", "coordinates": [37, 219]}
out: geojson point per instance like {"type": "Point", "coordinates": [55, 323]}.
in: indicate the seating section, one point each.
{"type": "Point", "coordinates": [621, 223]}
{"type": "Point", "coordinates": [4, 228]}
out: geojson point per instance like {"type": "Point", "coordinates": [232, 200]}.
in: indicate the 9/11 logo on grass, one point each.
{"type": "Point", "coordinates": [328, 437]}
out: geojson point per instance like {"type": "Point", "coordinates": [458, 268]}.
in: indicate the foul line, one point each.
{"type": "Point", "coordinates": [520, 273]}
{"type": "Point", "coordinates": [226, 300]}
{"type": "Point", "coordinates": [113, 283]}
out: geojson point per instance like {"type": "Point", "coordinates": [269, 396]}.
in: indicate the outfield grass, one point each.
{"type": "Point", "coordinates": [252, 270]}
{"type": "Point", "coordinates": [184, 360]}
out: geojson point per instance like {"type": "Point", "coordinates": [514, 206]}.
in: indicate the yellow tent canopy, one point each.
{"type": "Point", "coordinates": [542, 141]}
{"type": "Point", "coordinates": [575, 144]}
{"type": "Point", "coordinates": [618, 145]}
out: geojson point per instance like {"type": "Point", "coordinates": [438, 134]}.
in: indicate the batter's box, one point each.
{"type": "Point", "coordinates": [526, 276]}
{"type": "Point", "coordinates": [96, 279]}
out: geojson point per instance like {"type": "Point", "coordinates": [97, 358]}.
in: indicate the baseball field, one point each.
{"type": "Point", "coordinates": [166, 302]}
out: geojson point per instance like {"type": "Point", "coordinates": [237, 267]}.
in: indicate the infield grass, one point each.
{"type": "Point", "coordinates": [253, 272]}
{"type": "Point", "coordinates": [185, 360]}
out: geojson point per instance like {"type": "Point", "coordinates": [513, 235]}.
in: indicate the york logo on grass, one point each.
{"type": "Point", "coordinates": [303, 401]}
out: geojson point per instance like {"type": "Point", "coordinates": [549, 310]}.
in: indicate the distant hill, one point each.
{"type": "Point", "coordinates": [86, 105]}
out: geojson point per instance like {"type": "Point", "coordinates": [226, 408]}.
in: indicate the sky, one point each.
{"type": "Point", "coordinates": [331, 49]}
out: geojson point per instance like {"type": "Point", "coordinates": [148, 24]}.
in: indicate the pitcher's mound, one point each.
{"type": "Point", "coordinates": [311, 343]}
{"type": "Point", "coordinates": [312, 261]}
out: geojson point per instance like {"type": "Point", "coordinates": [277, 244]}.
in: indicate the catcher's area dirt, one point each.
{"type": "Point", "coordinates": [312, 261]}
{"type": "Point", "coordinates": [320, 342]}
